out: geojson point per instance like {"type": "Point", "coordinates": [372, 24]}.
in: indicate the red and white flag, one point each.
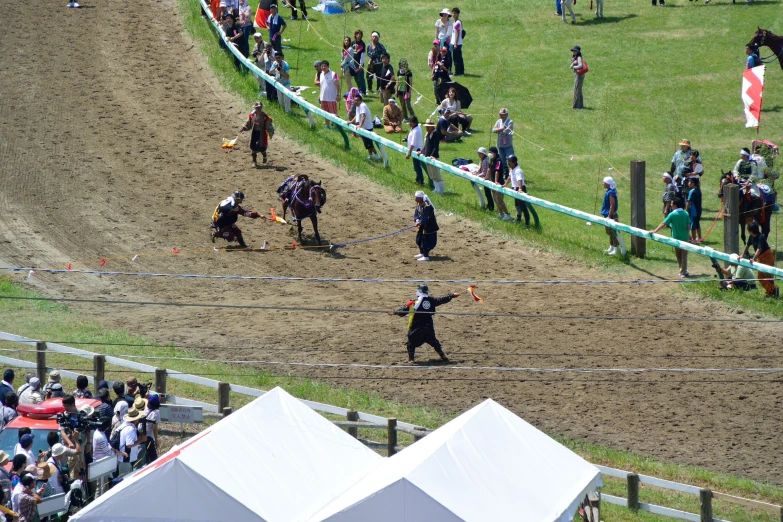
{"type": "Point", "coordinates": [752, 87]}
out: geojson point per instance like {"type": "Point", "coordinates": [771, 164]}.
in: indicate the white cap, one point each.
{"type": "Point", "coordinates": [482, 150]}
{"type": "Point", "coordinates": [420, 194]}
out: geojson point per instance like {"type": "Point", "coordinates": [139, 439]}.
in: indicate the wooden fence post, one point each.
{"type": "Point", "coordinates": [40, 360]}
{"type": "Point", "coordinates": [160, 383]}
{"type": "Point", "coordinates": [638, 207]}
{"type": "Point", "coordinates": [705, 501]}
{"type": "Point", "coordinates": [353, 416]}
{"type": "Point", "coordinates": [223, 396]}
{"type": "Point", "coordinates": [227, 411]}
{"type": "Point", "coordinates": [731, 219]}
{"type": "Point", "coordinates": [391, 445]}
{"type": "Point", "coordinates": [633, 491]}
{"type": "Point", "coordinates": [99, 369]}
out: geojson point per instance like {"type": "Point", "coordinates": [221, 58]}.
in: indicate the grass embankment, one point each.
{"type": "Point", "coordinates": [657, 75]}
{"type": "Point", "coordinates": [52, 322]}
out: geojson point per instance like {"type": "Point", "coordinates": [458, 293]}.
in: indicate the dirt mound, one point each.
{"type": "Point", "coordinates": [111, 128]}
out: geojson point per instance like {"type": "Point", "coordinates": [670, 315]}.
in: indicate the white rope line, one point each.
{"type": "Point", "coordinates": [428, 367]}
{"type": "Point", "coordinates": [369, 280]}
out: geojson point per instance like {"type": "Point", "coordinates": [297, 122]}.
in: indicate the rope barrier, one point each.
{"type": "Point", "coordinates": [377, 311]}
{"type": "Point", "coordinates": [505, 379]}
{"type": "Point", "coordinates": [368, 280]}
{"type": "Point", "coordinates": [343, 350]}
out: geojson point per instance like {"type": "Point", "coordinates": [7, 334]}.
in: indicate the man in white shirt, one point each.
{"type": "Point", "coordinates": [329, 82]}
{"type": "Point", "coordinates": [517, 179]}
{"type": "Point", "coordinates": [130, 442]}
{"type": "Point", "coordinates": [415, 144]}
{"type": "Point", "coordinates": [363, 119]}
{"type": "Point", "coordinates": [31, 394]}
{"type": "Point", "coordinates": [456, 43]}
{"type": "Point", "coordinates": [25, 447]}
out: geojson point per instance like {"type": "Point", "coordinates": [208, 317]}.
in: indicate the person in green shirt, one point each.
{"type": "Point", "coordinates": [680, 222]}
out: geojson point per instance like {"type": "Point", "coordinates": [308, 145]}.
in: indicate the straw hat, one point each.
{"type": "Point", "coordinates": [132, 416]}
{"type": "Point", "coordinates": [686, 143]}
{"type": "Point", "coordinates": [87, 409]}
{"type": "Point", "coordinates": [4, 458]}
{"type": "Point", "coordinates": [140, 404]}
{"type": "Point", "coordinates": [429, 123]}
{"type": "Point", "coordinates": [45, 470]}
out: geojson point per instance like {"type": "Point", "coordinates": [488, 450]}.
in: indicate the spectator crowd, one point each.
{"type": "Point", "coordinates": [124, 427]}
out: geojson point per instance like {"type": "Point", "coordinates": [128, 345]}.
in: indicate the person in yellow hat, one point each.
{"type": "Point", "coordinates": [680, 157]}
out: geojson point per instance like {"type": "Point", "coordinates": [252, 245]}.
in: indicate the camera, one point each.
{"type": "Point", "coordinates": [77, 421]}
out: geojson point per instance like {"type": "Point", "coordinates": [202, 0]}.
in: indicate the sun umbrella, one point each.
{"type": "Point", "coordinates": [463, 94]}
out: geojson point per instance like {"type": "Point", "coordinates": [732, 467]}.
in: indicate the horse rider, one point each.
{"type": "Point", "coordinates": [420, 326]}
{"type": "Point", "coordinates": [224, 219]}
{"type": "Point", "coordinates": [745, 167]}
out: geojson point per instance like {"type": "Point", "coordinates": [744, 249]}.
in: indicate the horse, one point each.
{"type": "Point", "coordinates": [763, 37]}
{"type": "Point", "coordinates": [751, 204]}
{"type": "Point", "coordinates": [305, 199]}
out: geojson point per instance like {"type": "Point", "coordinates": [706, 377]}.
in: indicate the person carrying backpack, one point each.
{"type": "Point", "coordinates": [753, 60]}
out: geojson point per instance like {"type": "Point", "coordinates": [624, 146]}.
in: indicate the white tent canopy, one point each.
{"type": "Point", "coordinates": [274, 460]}
{"type": "Point", "coordinates": [487, 464]}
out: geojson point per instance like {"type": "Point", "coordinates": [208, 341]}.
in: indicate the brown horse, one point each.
{"type": "Point", "coordinates": [307, 198]}
{"type": "Point", "coordinates": [763, 37]}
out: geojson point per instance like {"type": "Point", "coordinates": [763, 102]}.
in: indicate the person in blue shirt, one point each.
{"type": "Point", "coordinates": [609, 211]}
{"type": "Point", "coordinates": [693, 206]}
{"type": "Point", "coordinates": [277, 26]}
{"type": "Point", "coordinates": [753, 60]}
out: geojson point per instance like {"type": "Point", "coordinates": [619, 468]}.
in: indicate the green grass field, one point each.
{"type": "Point", "coordinates": [657, 75]}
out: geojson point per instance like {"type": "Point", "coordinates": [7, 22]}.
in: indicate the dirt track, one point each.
{"type": "Point", "coordinates": [111, 127]}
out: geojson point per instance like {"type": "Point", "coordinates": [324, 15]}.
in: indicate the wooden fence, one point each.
{"type": "Point", "coordinates": [356, 420]}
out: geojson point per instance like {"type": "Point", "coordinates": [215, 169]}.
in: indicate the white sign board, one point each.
{"type": "Point", "coordinates": [101, 468]}
{"type": "Point", "coordinates": [182, 414]}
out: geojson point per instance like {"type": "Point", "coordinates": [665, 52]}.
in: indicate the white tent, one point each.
{"type": "Point", "coordinates": [487, 464]}
{"type": "Point", "coordinates": [274, 460]}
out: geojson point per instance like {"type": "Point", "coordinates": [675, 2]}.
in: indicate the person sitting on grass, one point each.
{"type": "Point", "coordinates": [451, 103]}
{"type": "Point", "coordinates": [737, 276]}
{"type": "Point", "coordinates": [392, 117]}
{"type": "Point", "coordinates": [368, 3]}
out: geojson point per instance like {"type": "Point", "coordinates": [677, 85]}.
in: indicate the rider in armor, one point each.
{"type": "Point", "coordinates": [224, 219]}
{"type": "Point", "coordinates": [420, 326]}
{"type": "Point", "coordinates": [745, 167]}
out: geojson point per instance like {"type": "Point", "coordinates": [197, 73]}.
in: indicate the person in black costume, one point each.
{"type": "Point", "coordinates": [224, 219]}
{"type": "Point", "coordinates": [427, 235]}
{"type": "Point", "coordinates": [420, 326]}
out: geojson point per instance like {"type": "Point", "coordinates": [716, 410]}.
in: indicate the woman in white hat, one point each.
{"type": "Point", "coordinates": [444, 27]}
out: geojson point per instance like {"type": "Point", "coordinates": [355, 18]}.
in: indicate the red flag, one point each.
{"type": "Point", "coordinates": [69, 266]}
{"type": "Point", "coordinates": [752, 88]}
{"type": "Point", "coordinates": [103, 262]}
{"type": "Point", "coordinates": [472, 292]}
{"type": "Point", "coordinates": [293, 247]}
{"type": "Point", "coordinates": [175, 250]}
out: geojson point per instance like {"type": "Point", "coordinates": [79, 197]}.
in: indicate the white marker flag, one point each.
{"type": "Point", "coordinates": [752, 87]}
